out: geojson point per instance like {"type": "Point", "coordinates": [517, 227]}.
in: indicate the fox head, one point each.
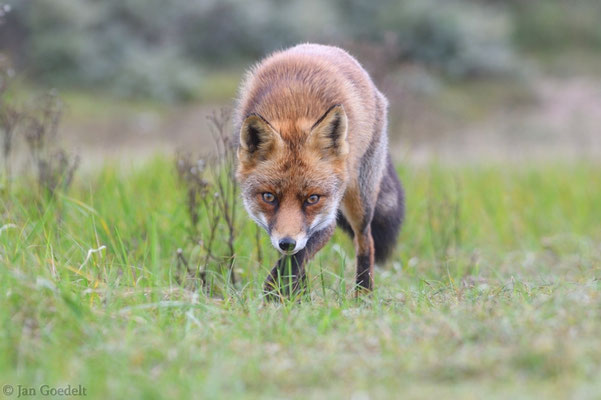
{"type": "Point", "coordinates": [293, 174]}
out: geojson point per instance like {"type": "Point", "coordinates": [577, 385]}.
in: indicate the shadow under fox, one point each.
{"type": "Point", "coordinates": [313, 153]}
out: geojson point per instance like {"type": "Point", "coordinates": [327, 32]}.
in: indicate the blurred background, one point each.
{"type": "Point", "coordinates": [466, 79]}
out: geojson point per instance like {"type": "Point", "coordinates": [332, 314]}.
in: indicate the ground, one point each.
{"type": "Point", "coordinates": [492, 292]}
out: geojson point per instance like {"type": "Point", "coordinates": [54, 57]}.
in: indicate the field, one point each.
{"type": "Point", "coordinates": [493, 292]}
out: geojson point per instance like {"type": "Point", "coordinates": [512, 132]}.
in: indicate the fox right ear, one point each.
{"type": "Point", "coordinates": [257, 138]}
{"type": "Point", "coordinates": [328, 135]}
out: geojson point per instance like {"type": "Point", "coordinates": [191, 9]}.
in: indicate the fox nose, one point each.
{"type": "Point", "coordinates": [287, 244]}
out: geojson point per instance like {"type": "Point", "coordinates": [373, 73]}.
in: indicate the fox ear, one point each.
{"type": "Point", "coordinates": [328, 135]}
{"type": "Point", "coordinates": [257, 139]}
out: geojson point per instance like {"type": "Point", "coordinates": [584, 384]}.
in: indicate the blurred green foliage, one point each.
{"type": "Point", "coordinates": [553, 25]}
{"type": "Point", "coordinates": [460, 38]}
{"type": "Point", "coordinates": [160, 50]}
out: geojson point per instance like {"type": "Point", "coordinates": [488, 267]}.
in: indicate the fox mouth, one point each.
{"type": "Point", "coordinates": [288, 252]}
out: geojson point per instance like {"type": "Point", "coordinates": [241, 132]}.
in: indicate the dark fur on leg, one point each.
{"type": "Point", "coordinates": [364, 246]}
{"type": "Point", "coordinates": [388, 214]}
{"type": "Point", "coordinates": [364, 271]}
{"type": "Point", "coordinates": [286, 277]}
{"type": "Point", "coordinates": [278, 281]}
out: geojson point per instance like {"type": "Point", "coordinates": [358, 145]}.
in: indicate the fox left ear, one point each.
{"type": "Point", "coordinates": [328, 135]}
{"type": "Point", "coordinates": [257, 139]}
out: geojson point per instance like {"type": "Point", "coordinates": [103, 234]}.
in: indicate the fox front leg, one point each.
{"type": "Point", "coordinates": [358, 212]}
{"type": "Point", "coordinates": [364, 245]}
{"type": "Point", "coordinates": [288, 275]}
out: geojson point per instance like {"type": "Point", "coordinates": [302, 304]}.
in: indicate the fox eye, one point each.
{"type": "Point", "coordinates": [268, 198]}
{"type": "Point", "coordinates": [314, 198]}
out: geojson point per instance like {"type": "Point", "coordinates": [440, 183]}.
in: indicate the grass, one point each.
{"type": "Point", "coordinates": [493, 292]}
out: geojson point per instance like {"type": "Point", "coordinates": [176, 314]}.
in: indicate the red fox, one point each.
{"type": "Point", "coordinates": [313, 153]}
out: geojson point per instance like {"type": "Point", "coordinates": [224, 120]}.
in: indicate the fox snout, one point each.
{"type": "Point", "coordinates": [288, 245]}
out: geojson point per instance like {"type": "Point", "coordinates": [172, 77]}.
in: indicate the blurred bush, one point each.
{"type": "Point", "coordinates": [127, 47]}
{"type": "Point", "coordinates": [162, 50]}
{"type": "Point", "coordinates": [458, 38]}
{"type": "Point", "coordinates": [557, 25]}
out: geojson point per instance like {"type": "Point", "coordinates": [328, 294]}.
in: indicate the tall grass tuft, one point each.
{"type": "Point", "coordinates": [211, 202]}
{"type": "Point", "coordinates": [37, 125]}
